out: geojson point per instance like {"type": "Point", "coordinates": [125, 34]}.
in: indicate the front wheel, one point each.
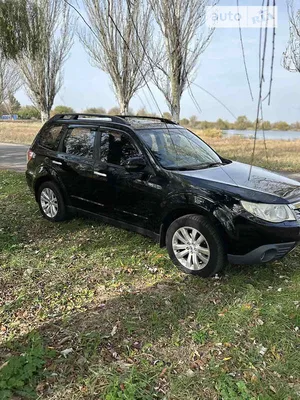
{"type": "Point", "coordinates": [195, 245]}
{"type": "Point", "coordinates": [51, 202]}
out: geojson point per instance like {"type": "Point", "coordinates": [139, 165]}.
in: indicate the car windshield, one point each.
{"type": "Point", "coordinates": [178, 149]}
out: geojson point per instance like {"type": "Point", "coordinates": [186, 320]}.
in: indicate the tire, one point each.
{"type": "Point", "coordinates": [195, 246]}
{"type": "Point", "coordinates": [57, 211]}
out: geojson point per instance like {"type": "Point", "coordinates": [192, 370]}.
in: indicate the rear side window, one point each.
{"type": "Point", "coordinates": [50, 137]}
{"type": "Point", "coordinates": [80, 142]}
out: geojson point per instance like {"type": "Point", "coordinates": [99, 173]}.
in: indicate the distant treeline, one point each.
{"type": "Point", "coordinates": [241, 123]}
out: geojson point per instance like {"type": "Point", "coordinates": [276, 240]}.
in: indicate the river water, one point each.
{"type": "Point", "coordinates": [274, 135]}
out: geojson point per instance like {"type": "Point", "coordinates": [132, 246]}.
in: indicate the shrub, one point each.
{"type": "Point", "coordinates": [184, 122]}
{"type": "Point", "coordinates": [212, 133]}
{"type": "Point", "coordinates": [29, 112]}
{"type": "Point", "coordinates": [62, 110]}
{"type": "Point", "coordinates": [95, 110]}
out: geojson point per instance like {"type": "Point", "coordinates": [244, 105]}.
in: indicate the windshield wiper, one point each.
{"type": "Point", "coordinates": [201, 166]}
{"type": "Point", "coordinates": [213, 164]}
{"type": "Point", "coordinates": [195, 166]}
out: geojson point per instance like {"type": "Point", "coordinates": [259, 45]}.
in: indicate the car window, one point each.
{"type": "Point", "coordinates": [178, 148]}
{"type": "Point", "coordinates": [80, 142]}
{"type": "Point", "coordinates": [116, 148]}
{"type": "Point", "coordinates": [50, 137]}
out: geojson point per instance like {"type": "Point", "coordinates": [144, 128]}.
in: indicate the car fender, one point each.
{"type": "Point", "coordinates": [45, 173]}
{"type": "Point", "coordinates": [218, 210]}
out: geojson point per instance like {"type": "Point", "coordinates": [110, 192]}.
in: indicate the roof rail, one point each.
{"type": "Point", "coordinates": [164, 120]}
{"type": "Point", "coordinates": [82, 116]}
{"type": "Point", "coordinates": [120, 119]}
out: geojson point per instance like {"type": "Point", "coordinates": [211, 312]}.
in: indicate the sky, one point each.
{"type": "Point", "coordinates": [220, 71]}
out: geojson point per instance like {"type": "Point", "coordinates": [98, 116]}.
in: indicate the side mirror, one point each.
{"type": "Point", "coordinates": [135, 163]}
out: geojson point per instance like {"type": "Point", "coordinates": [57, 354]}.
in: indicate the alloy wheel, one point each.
{"type": "Point", "coordinates": [49, 202]}
{"type": "Point", "coordinates": [191, 248]}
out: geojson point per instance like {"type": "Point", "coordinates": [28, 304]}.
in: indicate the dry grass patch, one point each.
{"type": "Point", "coordinates": [283, 155]}
{"type": "Point", "coordinates": [208, 133]}
{"type": "Point", "coordinates": [18, 131]}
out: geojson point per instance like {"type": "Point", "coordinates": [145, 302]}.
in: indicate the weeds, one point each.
{"type": "Point", "coordinates": [124, 323]}
{"type": "Point", "coordinates": [20, 373]}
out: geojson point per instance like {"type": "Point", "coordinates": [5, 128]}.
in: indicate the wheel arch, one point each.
{"type": "Point", "coordinates": [49, 178]}
{"type": "Point", "coordinates": [180, 212]}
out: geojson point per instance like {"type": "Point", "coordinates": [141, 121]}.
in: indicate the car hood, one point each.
{"type": "Point", "coordinates": [263, 185]}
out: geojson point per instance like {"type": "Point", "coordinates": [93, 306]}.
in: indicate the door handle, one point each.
{"type": "Point", "coordinates": [99, 173]}
{"type": "Point", "coordinates": [57, 162]}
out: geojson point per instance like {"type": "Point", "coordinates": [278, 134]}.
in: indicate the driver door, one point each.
{"type": "Point", "coordinates": [128, 196]}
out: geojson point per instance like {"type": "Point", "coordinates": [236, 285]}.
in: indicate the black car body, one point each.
{"type": "Point", "coordinates": [133, 172]}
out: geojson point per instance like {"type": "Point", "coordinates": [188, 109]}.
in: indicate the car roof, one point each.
{"type": "Point", "coordinates": [133, 121]}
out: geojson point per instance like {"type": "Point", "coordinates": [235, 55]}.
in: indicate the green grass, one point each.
{"type": "Point", "coordinates": [134, 327]}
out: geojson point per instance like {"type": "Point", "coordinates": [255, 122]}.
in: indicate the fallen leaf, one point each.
{"type": "Point", "coordinates": [114, 330]}
{"type": "Point", "coordinates": [272, 388]}
{"type": "Point", "coordinates": [189, 372]}
{"type": "Point", "coordinates": [3, 365]}
{"type": "Point", "coordinates": [262, 350]}
{"type": "Point", "coordinates": [66, 352]}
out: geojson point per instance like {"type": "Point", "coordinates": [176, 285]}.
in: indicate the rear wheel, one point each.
{"type": "Point", "coordinates": [195, 245]}
{"type": "Point", "coordinates": [51, 202]}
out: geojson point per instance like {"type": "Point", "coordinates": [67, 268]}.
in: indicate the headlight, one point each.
{"type": "Point", "coordinates": [270, 212]}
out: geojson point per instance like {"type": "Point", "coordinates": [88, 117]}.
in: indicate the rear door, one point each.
{"type": "Point", "coordinates": [46, 146]}
{"type": "Point", "coordinates": [76, 161]}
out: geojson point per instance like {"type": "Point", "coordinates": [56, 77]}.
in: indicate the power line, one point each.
{"type": "Point", "coordinates": [264, 133]}
{"type": "Point", "coordinates": [213, 96]}
{"type": "Point", "coordinates": [261, 80]}
{"type": "Point", "coordinates": [243, 53]}
{"type": "Point", "coordinates": [259, 47]}
{"type": "Point", "coordinates": [125, 42]}
{"type": "Point", "coordinates": [134, 59]}
{"type": "Point", "coordinates": [150, 61]}
{"type": "Point", "coordinates": [194, 99]}
{"type": "Point", "coordinates": [82, 17]}
{"type": "Point", "coordinates": [273, 56]}
{"type": "Point", "coordinates": [147, 100]}
{"type": "Point", "coordinates": [151, 64]}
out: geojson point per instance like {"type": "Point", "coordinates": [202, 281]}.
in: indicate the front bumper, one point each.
{"type": "Point", "coordinates": [263, 254]}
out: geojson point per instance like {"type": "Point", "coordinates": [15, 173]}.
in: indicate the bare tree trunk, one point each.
{"type": "Point", "coordinates": [45, 115]}
{"type": "Point", "coordinates": [180, 24]}
{"type": "Point", "coordinates": [41, 67]}
{"type": "Point", "coordinates": [174, 105]}
{"type": "Point", "coordinates": [110, 53]}
{"type": "Point", "coordinates": [175, 110]}
{"type": "Point", "coordinates": [124, 105]}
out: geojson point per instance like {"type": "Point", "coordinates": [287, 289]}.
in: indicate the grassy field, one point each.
{"type": "Point", "coordinates": [283, 155]}
{"type": "Point", "coordinates": [88, 311]}
{"type": "Point", "coordinates": [18, 131]}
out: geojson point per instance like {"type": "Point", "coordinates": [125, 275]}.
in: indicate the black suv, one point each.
{"type": "Point", "coordinates": [157, 178]}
